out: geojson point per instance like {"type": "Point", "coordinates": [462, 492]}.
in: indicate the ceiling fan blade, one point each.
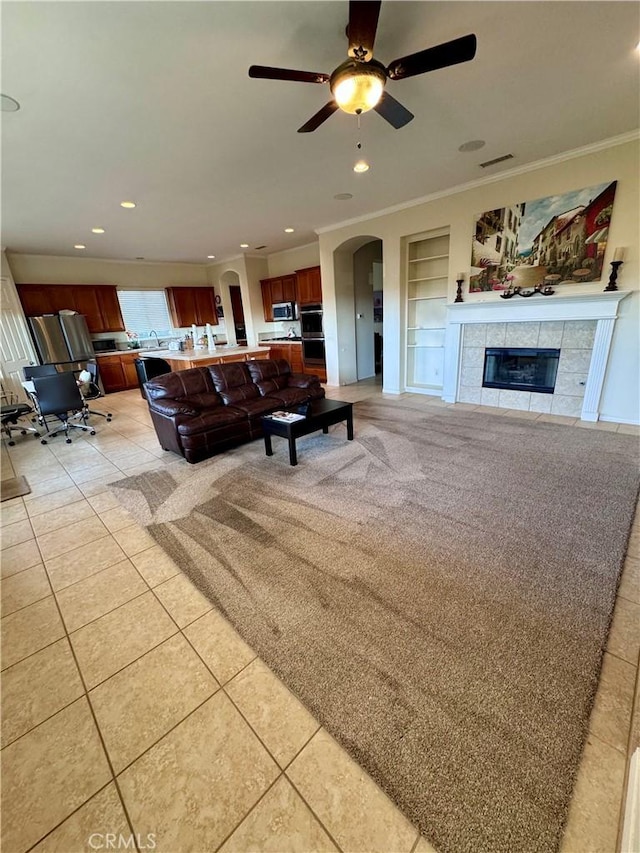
{"type": "Point", "coordinates": [449, 53]}
{"type": "Point", "coordinates": [316, 120]}
{"type": "Point", "coordinates": [267, 73]}
{"type": "Point", "coordinates": [361, 29]}
{"type": "Point", "coordinates": [393, 111]}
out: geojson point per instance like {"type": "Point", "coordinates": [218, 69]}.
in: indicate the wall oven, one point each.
{"type": "Point", "coordinates": [311, 321]}
{"type": "Point", "coordinates": [313, 351]}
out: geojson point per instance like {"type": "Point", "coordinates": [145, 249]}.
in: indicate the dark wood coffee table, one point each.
{"type": "Point", "coordinates": [322, 415]}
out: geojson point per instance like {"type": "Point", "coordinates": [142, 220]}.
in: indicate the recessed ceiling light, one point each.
{"type": "Point", "coordinates": [244, 245]}
{"type": "Point", "coordinates": [361, 166]}
{"type": "Point", "coordinates": [343, 196]}
{"type": "Point", "coordinates": [127, 204]}
{"type": "Point", "coordinates": [472, 145]}
{"type": "Point", "coordinates": [288, 230]}
{"type": "Point", "coordinates": [211, 257]}
{"type": "Point", "coordinates": [97, 230]}
{"type": "Point", "coordinates": [9, 105]}
{"type": "Point", "coordinates": [79, 246]}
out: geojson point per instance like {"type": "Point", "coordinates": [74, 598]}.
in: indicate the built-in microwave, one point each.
{"type": "Point", "coordinates": [285, 311]}
{"type": "Point", "coordinates": [104, 345]}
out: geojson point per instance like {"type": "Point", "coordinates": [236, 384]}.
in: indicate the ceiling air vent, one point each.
{"type": "Point", "coordinates": [259, 247]}
{"type": "Point", "coordinates": [496, 160]}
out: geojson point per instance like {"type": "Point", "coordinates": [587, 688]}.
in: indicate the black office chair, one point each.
{"type": "Point", "coordinates": [10, 415]}
{"type": "Point", "coordinates": [39, 370]}
{"type": "Point", "coordinates": [92, 391]}
{"type": "Point", "coordinates": [60, 396]}
{"type": "Point", "coordinates": [149, 368]}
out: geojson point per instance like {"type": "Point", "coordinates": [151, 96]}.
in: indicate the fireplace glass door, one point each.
{"type": "Point", "coordinates": [521, 369]}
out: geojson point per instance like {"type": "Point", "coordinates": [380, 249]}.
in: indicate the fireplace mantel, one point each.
{"type": "Point", "coordinates": [601, 307]}
{"type": "Point", "coordinates": [533, 309]}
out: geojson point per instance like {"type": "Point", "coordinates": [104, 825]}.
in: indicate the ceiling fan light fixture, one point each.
{"type": "Point", "coordinates": [358, 86]}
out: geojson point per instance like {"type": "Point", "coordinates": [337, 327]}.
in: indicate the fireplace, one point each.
{"type": "Point", "coordinates": [521, 369]}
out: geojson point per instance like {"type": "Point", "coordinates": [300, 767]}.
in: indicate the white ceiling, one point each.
{"type": "Point", "coordinates": [151, 101]}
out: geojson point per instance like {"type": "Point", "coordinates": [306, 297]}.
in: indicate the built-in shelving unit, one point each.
{"type": "Point", "coordinates": [427, 269]}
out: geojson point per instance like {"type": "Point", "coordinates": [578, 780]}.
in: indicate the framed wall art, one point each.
{"type": "Point", "coordinates": [555, 240]}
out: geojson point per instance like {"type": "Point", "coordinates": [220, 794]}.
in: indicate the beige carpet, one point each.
{"type": "Point", "coordinates": [438, 592]}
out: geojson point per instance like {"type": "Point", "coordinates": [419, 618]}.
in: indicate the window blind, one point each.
{"type": "Point", "coordinates": [144, 310]}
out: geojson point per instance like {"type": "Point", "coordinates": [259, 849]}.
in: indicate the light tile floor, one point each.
{"type": "Point", "coordinates": [129, 705]}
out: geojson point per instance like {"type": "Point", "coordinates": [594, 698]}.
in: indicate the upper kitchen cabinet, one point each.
{"type": "Point", "coordinates": [98, 303]}
{"type": "Point", "coordinates": [282, 288]}
{"type": "Point", "coordinates": [36, 299]}
{"type": "Point", "coordinates": [109, 309]}
{"type": "Point", "coordinates": [192, 305]}
{"type": "Point", "coordinates": [309, 286]}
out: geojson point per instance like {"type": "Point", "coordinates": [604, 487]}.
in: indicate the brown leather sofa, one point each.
{"type": "Point", "coordinates": [204, 410]}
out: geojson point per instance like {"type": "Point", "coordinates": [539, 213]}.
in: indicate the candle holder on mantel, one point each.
{"type": "Point", "coordinates": [614, 276]}
{"type": "Point", "coordinates": [459, 282]}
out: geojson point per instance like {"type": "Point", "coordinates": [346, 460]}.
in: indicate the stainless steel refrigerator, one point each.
{"type": "Point", "coordinates": [61, 338]}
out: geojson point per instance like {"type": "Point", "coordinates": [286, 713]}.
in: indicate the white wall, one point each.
{"type": "Point", "coordinates": [126, 275]}
{"type": "Point", "coordinates": [282, 263]}
{"type": "Point", "coordinates": [457, 211]}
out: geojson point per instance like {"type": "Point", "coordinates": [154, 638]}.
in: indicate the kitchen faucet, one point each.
{"type": "Point", "coordinates": [153, 332]}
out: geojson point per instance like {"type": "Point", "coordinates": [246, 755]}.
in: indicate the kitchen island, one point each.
{"type": "Point", "coordinates": [118, 370]}
{"type": "Point", "coordinates": [202, 357]}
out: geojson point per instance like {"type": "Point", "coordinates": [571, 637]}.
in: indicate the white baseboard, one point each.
{"type": "Point", "coordinates": [618, 421]}
{"type": "Point", "coordinates": [631, 824]}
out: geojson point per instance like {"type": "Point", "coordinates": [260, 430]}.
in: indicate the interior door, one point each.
{"type": "Point", "coordinates": [16, 348]}
{"type": "Point", "coordinates": [238, 314]}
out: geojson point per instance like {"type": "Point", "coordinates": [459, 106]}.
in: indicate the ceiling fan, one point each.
{"type": "Point", "coordinates": [357, 85]}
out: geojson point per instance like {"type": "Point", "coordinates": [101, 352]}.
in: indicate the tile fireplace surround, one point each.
{"type": "Point", "coordinates": [580, 325]}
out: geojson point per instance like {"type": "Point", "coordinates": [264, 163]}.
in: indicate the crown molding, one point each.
{"type": "Point", "coordinates": [85, 258]}
{"type": "Point", "coordinates": [573, 154]}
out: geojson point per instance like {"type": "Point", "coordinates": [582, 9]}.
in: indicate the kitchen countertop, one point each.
{"type": "Point", "coordinates": [196, 354]}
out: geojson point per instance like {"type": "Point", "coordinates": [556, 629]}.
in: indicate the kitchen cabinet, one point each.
{"type": "Point", "coordinates": [292, 352]}
{"type": "Point", "coordinates": [98, 303]}
{"type": "Point", "coordinates": [129, 370]}
{"type": "Point", "coordinates": [109, 309]}
{"type": "Point", "coordinates": [118, 372]}
{"type": "Point", "coordinates": [192, 305]}
{"type": "Point", "coordinates": [309, 286]}
{"type": "Point", "coordinates": [35, 299]}
{"type": "Point", "coordinates": [111, 373]}
{"type": "Point", "coordinates": [279, 289]}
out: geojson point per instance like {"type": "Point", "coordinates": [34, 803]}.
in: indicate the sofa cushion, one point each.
{"type": "Point", "coordinates": [290, 396]}
{"type": "Point", "coordinates": [182, 383]}
{"type": "Point", "coordinates": [233, 382]}
{"type": "Point", "coordinates": [219, 418]}
{"type": "Point", "coordinates": [258, 406]}
{"type": "Point", "coordinates": [172, 408]}
{"type": "Point", "coordinates": [274, 368]}
{"type": "Point", "coordinates": [207, 400]}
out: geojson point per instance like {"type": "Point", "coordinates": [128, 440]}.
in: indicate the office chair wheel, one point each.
{"type": "Point", "coordinates": [93, 432]}
{"type": "Point", "coordinates": [11, 443]}
{"type": "Point", "coordinates": [109, 416]}
{"type": "Point", "coordinates": [68, 440]}
{"type": "Point", "coordinates": [43, 441]}
{"type": "Point", "coordinates": [23, 432]}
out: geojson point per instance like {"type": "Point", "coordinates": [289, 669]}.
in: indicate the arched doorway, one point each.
{"type": "Point", "coordinates": [359, 285]}
{"type": "Point", "coordinates": [233, 308]}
